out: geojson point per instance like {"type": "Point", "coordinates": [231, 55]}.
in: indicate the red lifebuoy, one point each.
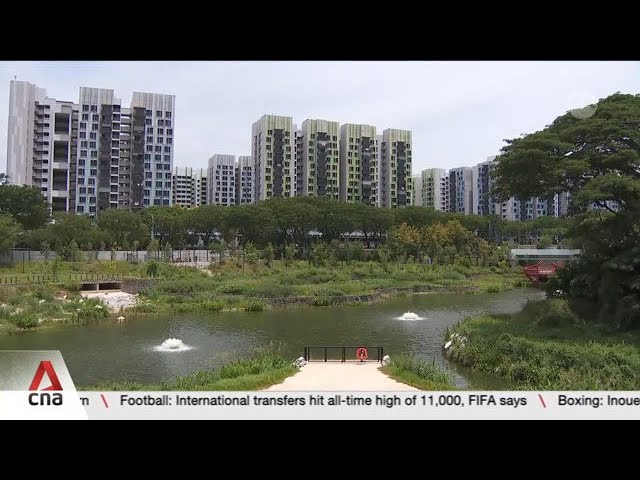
{"type": "Point", "coordinates": [362, 354]}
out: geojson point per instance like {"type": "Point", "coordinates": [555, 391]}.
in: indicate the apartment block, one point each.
{"type": "Point", "coordinates": [461, 190]}
{"type": "Point", "coordinates": [395, 169]}
{"type": "Point", "coordinates": [483, 202]}
{"type": "Point", "coordinates": [272, 150]}
{"type": "Point", "coordinates": [359, 164]}
{"type": "Point", "coordinates": [90, 156]}
{"type": "Point", "coordinates": [221, 180]}
{"type": "Point", "coordinates": [244, 180]}
{"type": "Point", "coordinates": [201, 182]}
{"type": "Point", "coordinates": [418, 199]}
{"type": "Point", "coordinates": [434, 183]}
{"type": "Point", "coordinates": [318, 159]}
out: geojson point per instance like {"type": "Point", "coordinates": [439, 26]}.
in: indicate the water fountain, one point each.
{"type": "Point", "coordinates": [172, 345]}
{"type": "Point", "coordinates": [410, 316]}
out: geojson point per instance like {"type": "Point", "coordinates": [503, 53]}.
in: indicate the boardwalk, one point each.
{"type": "Point", "coordinates": [349, 376]}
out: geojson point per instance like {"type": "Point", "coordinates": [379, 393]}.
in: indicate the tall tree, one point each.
{"type": "Point", "coordinates": [26, 204]}
{"type": "Point", "coordinates": [9, 230]}
{"type": "Point", "coordinates": [122, 227]}
{"type": "Point", "coordinates": [597, 160]}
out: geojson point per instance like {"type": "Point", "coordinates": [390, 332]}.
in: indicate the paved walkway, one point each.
{"type": "Point", "coordinates": [349, 376]}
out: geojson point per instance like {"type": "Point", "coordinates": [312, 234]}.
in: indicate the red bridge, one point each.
{"type": "Point", "coordinates": [541, 271]}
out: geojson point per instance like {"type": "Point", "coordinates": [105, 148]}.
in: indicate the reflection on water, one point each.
{"type": "Point", "coordinates": [125, 351]}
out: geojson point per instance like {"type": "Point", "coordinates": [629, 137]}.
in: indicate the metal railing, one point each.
{"type": "Point", "coordinates": [341, 353]}
{"type": "Point", "coordinates": [27, 279]}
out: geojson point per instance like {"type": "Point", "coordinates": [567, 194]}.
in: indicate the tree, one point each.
{"type": "Point", "coordinates": [596, 160]}
{"type": "Point", "coordinates": [122, 227]}
{"type": "Point", "coordinates": [404, 240]}
{"type": "Point", "coordinates": [289, 254]}
{"type": "Point", "coordinates": [9, 231]}
{"type": "Point", "coordinates": [70, 227]}
{"type": "Point", "coordinates": [268, 254]}
{"type": "Point", "coordinates": [26, 204]}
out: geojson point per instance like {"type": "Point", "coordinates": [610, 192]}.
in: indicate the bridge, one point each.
{"type": "Point", "coordinates": [535, 255]}
{"type": "Point", "coordinates": [541, 271]}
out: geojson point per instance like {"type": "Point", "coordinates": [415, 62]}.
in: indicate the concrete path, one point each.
{"type": "Point", "coordinates": [337, 376]}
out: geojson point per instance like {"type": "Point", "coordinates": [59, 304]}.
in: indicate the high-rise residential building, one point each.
{"type": "Point", "coordinates": [272, 150]}
{"type": "Point", "coordinates": [483, 202]}
{"type": "Point", "coordinates": [395, 169]}
{"type": "Point", "coordinates": [183, 187]}
{"type": "Point", "coordinates": [158, 145]}
{"type": "Point", "coordinates": [221, 181]}
{"type": "Point", "coordinates": [200, 191]}
{"type": "Point", "coordinates": [189, 187]}
{"type": "Point", "coordinates": [244, 180]}
{"type": "Point", "coordinates": [41, 144]}
{"type": "Point", "coordinates": [90, 156]}
{"type": "Point", "coordinates": [461, 190]}
{"type": "Point", "coordinates": [297, 160]}
{"type": "Point", "coordinates": [435, 189]}
{"type": "Point", "coordinates": [318, 159]}
{"type": "Point", "coordinates": [418, 199]}
{"type": "Point", "coordinates": [359, 164]}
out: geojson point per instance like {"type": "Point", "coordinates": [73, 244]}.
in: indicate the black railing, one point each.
{"type": "Point", "coordinates": [340, 353]}
{"type": "Point", "coordinates": [26, 279]}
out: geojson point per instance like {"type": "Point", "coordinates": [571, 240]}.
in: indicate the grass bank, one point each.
{"type": "Point", "coordinates": [28, 307]}
{"type": "Point", "coordinates": [264, 368]}
{"type": "Point", "coordinates": [418, 373]}
{"type": "Point", "coordinates": [545, 347]}
{"type": "Point", "coordinates": [255, 287]}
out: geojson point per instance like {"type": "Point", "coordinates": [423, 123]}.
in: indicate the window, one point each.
{"type": "Point", "coordinates": [169, 131]}
{"type": "Point", "coordinates": [167, 166]}
{"type": "Point", "coordinates": [149, 139]}
{"type": "Point", "coordinates": [83, 126]}
{"type": "Point", "coordinates": [148, 113]}
{"type": "Point", "coordinates": [94, 126]}
{"type": "Point", "coordinates": [158, 166]}
{"type": "Point", "coordinates": [147, 156]}
{"type": "Point", "coordinates": [84, 144]}
{"type": "Point", "coordinates": [158, 184]}
{"type": "Point", "coordinates": [94, 108]}
{"type": "Point", "coordinates": [167, 114]}
{"type": "Point", "coordinates": [159, 113]}
{"type": "Point", "coordinates": [92, 181]}
{"type": "Point", "coordinates": [157, 157]}
{"type": "Point", "coordinates": [167, 123]}
{"type": "Point", "coordinates": [160, 122]}
{"type": "Point", "coordinates": [94, 172]}
{"type": "Point", "coordinates": [148, 174]}
{"type": "Point", "coordinates": [94, 154]}
{"type": "Point", "coordinates": [83, 199]}
{"type": "Point", "coordinates": [92, 144]}
{"type": "Point", "coordinates": [148, 121]}
{"type": "Point", "coordinates": [81, 171]}
{"type": "Point", "coordinates": [148, 184]}
{"type": "Point", "coordinates": [167, 176]}
{"type": "Point", "coordinates": [160, 140]}
{"type": "Point", "coordinates": [161, 131]}
{"type": "Point", "coordinates": [83, 134]}
{"type": "Point", "coordinates": [158, 148]}
{"type": "Point", "coordinates": [167, 149]}
{"type": "Point", "coordinates": [158, 175]}
{"type": "Point", "coordinates": [85, 108]}
{"type": "Point", "coordinates": [149, 148]}
{"type": "Point", "coordinates": [81, 161]}
{"type": "Point", "coordinates": [167, 158]}
{"type": "Point", "coordinates": [94, 163]}
{"type": "Point", "coordinates": [83, 153]}
{"type": "Point", "coordinates": [169, 140]}
{"type": "Point", "coordinates": [85, 116]}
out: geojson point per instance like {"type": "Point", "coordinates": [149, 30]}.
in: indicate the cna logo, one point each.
{"type": "Point", "coordinates": [46, 367]}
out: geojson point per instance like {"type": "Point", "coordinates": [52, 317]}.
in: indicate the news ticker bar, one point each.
{"type": "Point", "coordinates": [320, 405]}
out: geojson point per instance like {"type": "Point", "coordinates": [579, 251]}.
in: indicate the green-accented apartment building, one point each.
{"type": "Point", "coordinates": [272, 149]}
{"type": "Point", "coordinates": [317, 159]}
{"type": "Point", "coordinates": [359, 164]}
{"type": "Point", "coordinates": [396, 183]}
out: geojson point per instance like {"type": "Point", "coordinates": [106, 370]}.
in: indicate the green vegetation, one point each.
{"type": "Point", "coordinates": [594, 157]}
{"type": "Point", "coordinates": [267, 366]}
{"type": "Point", "coordinates": [418, 373]}
{"type": "Point", "coordinates": [25, 307]}
{"type": "Point", "coordinates": [547, 347]}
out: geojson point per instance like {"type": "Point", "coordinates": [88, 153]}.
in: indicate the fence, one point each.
{"type": "Point", "coordinates": [339, 353]}
{"type": "Point", "coordinates": [34, 278]}
{"type": "Point", "coordinates": [177, 256]}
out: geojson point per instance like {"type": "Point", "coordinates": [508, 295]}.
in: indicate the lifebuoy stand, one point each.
{"type": "Point", "coordinates": [362, 354]}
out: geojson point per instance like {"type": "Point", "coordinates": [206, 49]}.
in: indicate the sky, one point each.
{"type": "Point", "coordinates": [459, 113]}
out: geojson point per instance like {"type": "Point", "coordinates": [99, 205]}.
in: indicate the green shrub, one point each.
{"type": "Point", "coordinates": [24, 321]}
{"type": "Point", "coordinates": [254, 306]}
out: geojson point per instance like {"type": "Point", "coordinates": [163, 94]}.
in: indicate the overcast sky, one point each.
{"type": "Point", "coordinates": [459, 112]}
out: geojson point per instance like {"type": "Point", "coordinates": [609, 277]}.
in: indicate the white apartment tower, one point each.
{"type": "Point", "coordinates": [435, 189]}
{"type": "Point", "coordinates": [461, 190]}
{"type": "Point", "coordinates": [221, 180]}
{"type": "Point", "coordinates": [359, 164]}
{"type": "Point", "coordinates": [244, 180]}
{"type": "Point", "coordinates": [93, 155]}
{"type": "Point", "coordinates": [200, 190]}
{"type": "Point", "coordinates": [158, 145]}
{"type": "Point", "coordinates": [41, 144]}
{"type": "Point", "coordinates": [183, 187]}
{"type": "Point", "coordinates": [272, 150]}
{"type": "Point", "coordinates": [418, 199]}
{"type": "Point", "coordinates": [395, 169]}
{"type": "Point", "coordinates": [482, 181]}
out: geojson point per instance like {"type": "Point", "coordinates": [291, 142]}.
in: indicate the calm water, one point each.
{"type": "Point", "coordinates": [118, 352]}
